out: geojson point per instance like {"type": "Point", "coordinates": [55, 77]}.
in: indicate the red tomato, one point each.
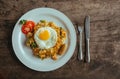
{"type": "Point", "coordinates": [31, 24]}
{"type": "Point", "coordinates": [26, 29]}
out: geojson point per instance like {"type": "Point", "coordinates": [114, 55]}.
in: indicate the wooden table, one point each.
{"type": "Point", "coordinates": [104, 39]}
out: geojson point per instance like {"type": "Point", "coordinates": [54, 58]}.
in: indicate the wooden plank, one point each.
{"type": "Point", "coordinates": [104, 39]}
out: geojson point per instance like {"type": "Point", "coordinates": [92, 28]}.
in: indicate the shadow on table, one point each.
{"type": "Point", "coordinates": [10, 25]}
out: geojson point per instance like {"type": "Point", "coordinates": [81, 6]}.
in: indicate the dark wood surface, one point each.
{"type": "Point", "coordinates": [104, 39]}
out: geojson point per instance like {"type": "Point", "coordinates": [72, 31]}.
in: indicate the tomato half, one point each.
{"type": "Point", "coordinates": [25, 29]}
{"type": "Point", "coordinates": [31, 24]}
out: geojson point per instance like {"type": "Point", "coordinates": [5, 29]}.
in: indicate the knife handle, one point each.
{"type": "Point", "coordinates": [87, 51]}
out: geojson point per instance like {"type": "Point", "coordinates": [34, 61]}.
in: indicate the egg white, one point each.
{"type": "Point", "coordinates": [46, 44]}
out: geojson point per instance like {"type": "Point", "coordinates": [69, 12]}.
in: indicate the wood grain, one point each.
{"type": "Point", "coordinates": [104, 39]}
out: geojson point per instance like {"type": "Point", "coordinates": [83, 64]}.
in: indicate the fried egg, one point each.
{"type": "Point", "coordinates": [45, 37]}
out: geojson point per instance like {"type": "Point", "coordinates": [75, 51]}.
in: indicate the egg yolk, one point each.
{"type": "Point", "coordinates": [44, 35]}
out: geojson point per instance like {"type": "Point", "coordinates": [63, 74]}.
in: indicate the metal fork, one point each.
{"type": "Point", "coordinates": [80, 53]}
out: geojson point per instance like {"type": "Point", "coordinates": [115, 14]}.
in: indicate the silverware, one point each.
{"type": "Point", "coordinates": [80, 55]}
{"type": "Point", "coordinates": [87, 37]}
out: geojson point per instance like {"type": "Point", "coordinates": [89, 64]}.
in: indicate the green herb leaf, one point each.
{"type": "Point", "coordinates": [23, 21]}
{"type": "Point", "coordinates": [33, 45]}
{"type": "Point", "coordinates": [43, 21]}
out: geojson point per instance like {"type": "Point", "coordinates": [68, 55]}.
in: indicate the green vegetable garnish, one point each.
{"type": "Point", "coordinates": [43, 21]}
{"type": "Point", "coordinates": [33, 45]}
{"type": "Point", "coordinates": [23, 21]}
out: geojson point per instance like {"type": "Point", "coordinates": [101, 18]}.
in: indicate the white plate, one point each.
{"type": "Point", "coordinates": [24, 53]}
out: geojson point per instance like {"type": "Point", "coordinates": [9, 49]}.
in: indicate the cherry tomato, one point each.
{"type": "Point", "coordinates": [31, 24]}
{"type": "Point", "coordinates": [25, 29]}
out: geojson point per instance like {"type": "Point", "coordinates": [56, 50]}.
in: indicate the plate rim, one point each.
{"type": "Point", "coordinates": [43, 8]}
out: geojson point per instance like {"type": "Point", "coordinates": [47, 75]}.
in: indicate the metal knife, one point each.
{"type": "Point", "coordinates": [87, 37]}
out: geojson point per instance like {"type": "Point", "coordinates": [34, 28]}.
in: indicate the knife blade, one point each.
{"type": "Point", "coordinates": [87, 37]}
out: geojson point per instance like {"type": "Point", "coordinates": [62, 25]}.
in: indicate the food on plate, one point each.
{"type": "Point", "coordinates": [27, 26]}
{"type": "Point", "coordinates": [46, 39]}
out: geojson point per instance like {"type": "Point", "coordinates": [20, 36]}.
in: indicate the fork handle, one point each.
{"type": "Point", "coordinates": [80, 47]}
